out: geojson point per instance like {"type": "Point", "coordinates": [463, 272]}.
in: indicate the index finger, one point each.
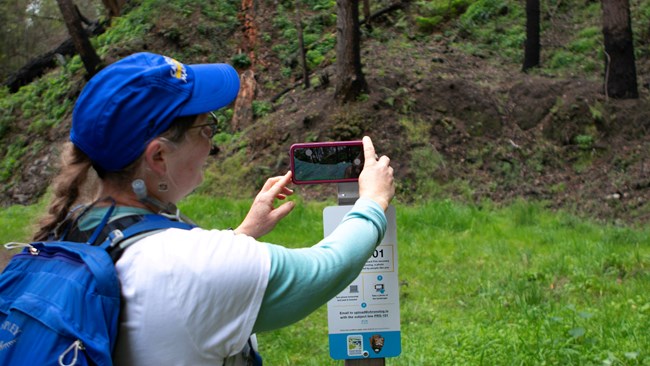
{"type": "Point", "coordinates": [368, 150]}
{"type": "Point", "coordinates": [280, 184]}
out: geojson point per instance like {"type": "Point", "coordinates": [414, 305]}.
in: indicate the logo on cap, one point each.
{"type": "Point", "coordinates": [177, 69]}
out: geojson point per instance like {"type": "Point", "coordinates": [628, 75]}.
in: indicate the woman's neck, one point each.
{"type": "Point", "coordinates": [121, 197]}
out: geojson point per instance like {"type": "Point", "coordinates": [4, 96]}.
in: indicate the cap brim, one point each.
{"type": "Point", "coordinates": [215, 86]}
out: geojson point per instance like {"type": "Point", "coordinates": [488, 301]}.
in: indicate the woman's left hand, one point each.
{"type": "Point", "coordinates": [263, 215]}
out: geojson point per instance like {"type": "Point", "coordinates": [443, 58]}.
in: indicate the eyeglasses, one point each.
{"type": "Point", "coordinates": [210, 129]}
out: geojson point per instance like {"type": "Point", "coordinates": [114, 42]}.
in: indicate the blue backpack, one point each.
{"type": "Point", "coordinates": [60, 299]}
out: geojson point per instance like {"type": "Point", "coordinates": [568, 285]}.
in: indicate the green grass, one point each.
{"type": "Point", "coordinates": [17, 223]}
{"type": "Point", "coordinates": [480, 285]}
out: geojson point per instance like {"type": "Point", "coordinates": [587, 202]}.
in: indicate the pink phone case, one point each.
{"type": "Point", "coordinates": [308, 170]}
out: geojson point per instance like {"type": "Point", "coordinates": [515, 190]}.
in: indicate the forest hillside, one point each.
{"type": "Point", "coordinates": [447, 100]}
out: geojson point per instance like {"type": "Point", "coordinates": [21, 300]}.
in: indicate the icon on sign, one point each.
{"type": "Point", "coordinates": [377, 342]}
{"type": "Point", "coordinates": [355, 345]}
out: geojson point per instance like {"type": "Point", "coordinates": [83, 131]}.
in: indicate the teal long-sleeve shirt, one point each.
{"type": "Point", "coordinates": [301, 280]}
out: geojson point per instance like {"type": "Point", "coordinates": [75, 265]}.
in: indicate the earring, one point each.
{"type": "Point", "coordinates": [162, 186]}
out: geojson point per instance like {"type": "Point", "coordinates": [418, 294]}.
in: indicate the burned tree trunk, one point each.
{"type": "Point", "coordinates": [351, 82]}
{"type": "Point", "coordinates": [531, 54]}
{"type": "Point", "coordinates": [620, 69]}
{"type": "Point", "coordinates": [72, 19]}
{"type": "Point", "coordinates": [243, 108]}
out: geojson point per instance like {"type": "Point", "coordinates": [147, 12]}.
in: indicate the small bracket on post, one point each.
{"type": "Point", "coordinates": [348, 193]}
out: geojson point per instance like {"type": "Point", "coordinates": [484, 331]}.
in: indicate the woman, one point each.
{"type": "Point", "coordinates": [196, 297]}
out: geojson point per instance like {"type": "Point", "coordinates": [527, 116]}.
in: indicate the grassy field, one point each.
{"type": "Point", "coordinates": [480, 285]}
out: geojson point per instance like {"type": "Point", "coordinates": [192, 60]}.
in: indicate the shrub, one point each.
{"type": "Point", "coordinates": [241, 61]}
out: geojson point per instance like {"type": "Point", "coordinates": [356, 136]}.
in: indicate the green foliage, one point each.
{"type": "Point", "coordinates": [228, 178]}
{"type": "Point", "coordinates": [433, 13]}
{"type": "Point", "coordinates": [6, 111]}
{"type": "Point", "coordinates": [41, 105]}
{"type": "Point", "coordinates": [241, 60]}
{"type": "Point", "coordinates": [428, 24]}
{"type": "Point", "coordinates": [10, 161]}
{"type": "Point", "coordinates": [493, 28]}
{"type": "Point", "coordinates": [319, 5]}
{"type": "Point", "coordinates": [566, 61]}
{"type": "Point", "coordinates": [261, 108]}
{"type": "Point", "coordinates": [582, 54]}
{"type": "Point", "coordinates": [481, 11]}
{"type": "Point", "coordinates": [584, 142]}
{"type": "Point", "coordinates": [317, 38]}
{"type": "Point", "coordinates": [588, 40]}
{"type": "Point", "coordinates": [597, 112]}
{"type": "Point", "coordinates": [127, 28]}
{"type": "Point", "coordinates": [314, 59]}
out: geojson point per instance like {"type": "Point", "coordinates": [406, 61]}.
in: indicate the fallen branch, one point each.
{"type": "Point", "coordinates": [36, 67]}
{"type": "Point", "coordinates": [389, 9]}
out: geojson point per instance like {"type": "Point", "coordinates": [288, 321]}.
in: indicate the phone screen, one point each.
{"type": "Point", "coordinates": [326, 162]}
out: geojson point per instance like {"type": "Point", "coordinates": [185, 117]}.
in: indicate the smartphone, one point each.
{"type": "Point", "coordinates": [326, 162]}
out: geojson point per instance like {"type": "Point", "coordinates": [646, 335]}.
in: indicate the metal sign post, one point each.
{"type": "Point", "coordinates": [364, 319]}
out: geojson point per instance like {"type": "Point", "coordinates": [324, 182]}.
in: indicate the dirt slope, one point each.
{"type": "Point", "coordinates": [457, 125]}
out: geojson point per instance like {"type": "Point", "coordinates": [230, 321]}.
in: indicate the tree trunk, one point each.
{"type": "Point", "coordinates": [250, 30]}
{"type": "Point", "coordinates": [366, 15]}
{"type": "Point", "coordinates": [89, 57]}
{"type": "Point", "coordinates": [620, 68]}
{"type": "Point", "coordinates": [351, 82]}
{"type": "Point", "coordinates": [301, 46]}
{"type": "Point", "coordinates": [531, 54]}
{"type": "Point", "coordinates": [243, 109]}
{"type": "Point", "coordinates": [114, 7]}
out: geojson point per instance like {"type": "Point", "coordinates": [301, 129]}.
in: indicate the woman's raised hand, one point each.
{"type": "Point", "coordinates": [376, 179]}
{"type": "Point", "coordinates": [263, 215]}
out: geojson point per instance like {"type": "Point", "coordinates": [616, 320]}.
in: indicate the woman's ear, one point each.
{"type": "Point", "coordinates": [154, 155]}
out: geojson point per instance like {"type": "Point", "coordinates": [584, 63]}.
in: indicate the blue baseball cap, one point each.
{"type": "Point", "coordinates": [130, 102]}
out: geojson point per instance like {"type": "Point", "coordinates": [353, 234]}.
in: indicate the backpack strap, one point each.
{"type": "Point", "coordinates": [127, 230]}
{"type": "Point", "coordinates": [116, 235]}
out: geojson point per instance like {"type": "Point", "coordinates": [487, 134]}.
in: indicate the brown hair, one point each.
{"type": "Point", "coordinates": [73, 186]}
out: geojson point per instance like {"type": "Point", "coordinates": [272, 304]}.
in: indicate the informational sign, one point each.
{"type": "Point", "coordinates": [364, 319]}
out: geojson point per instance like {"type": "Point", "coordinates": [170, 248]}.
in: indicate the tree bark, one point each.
{"type": "Point", "coordinates": [531, 54]}
{"type": "Point", "coordinates": [243, 108]}
{"type": "Point", "coordinates": [301, 46]}
{"type": "Point", "coordinates": [620, 68]}
{"type": "Point", "coordinates": [351, 82]}
{"type": "Point", "coordinates": [366, 15]}
{"type": "Point", "coordinates": [89, 57]}
{"type": "Point", "coordinates": [114, 7]}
